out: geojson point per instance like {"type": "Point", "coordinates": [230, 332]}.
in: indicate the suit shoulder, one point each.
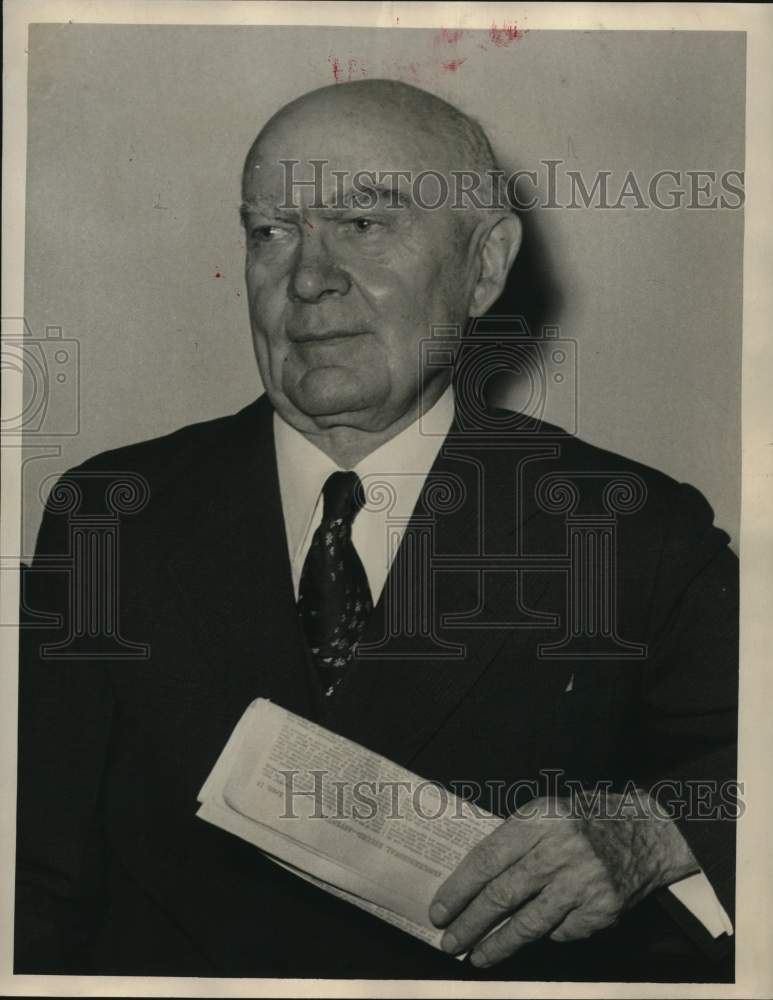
{"type": "Point", "coordinates": [675, 504]}
{"type": "Point", "coordinates": [576, 454]}
{"type": "Point", "coordinates": [672, 497]}
{"type": "Point", "coordinates": [163, 461]}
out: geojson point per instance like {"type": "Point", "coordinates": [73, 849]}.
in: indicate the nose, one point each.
{"type": "Point", "coordinates": [316, 275]}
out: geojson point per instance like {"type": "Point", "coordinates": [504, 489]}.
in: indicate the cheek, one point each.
{"type": "Point", "coordinates": [406, 302]}
{"type": "Point", "coordinates": [266, 298]}
{"type": "Point", "coordinates": [410, 298]}
{"type": "Point", "coordinates": [398, 286]}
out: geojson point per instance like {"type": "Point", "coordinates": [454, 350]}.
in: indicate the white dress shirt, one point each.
{"type": "Point", "coordinates": [401, 465]}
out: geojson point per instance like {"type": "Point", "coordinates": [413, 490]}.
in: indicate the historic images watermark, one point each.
{"type": "Point", "coordinates": [91, 502]}
{"type": "Point", "coordinates": [95, 505]}
{"type": "Point", "coordinates": [318, 793]}
{"type": "Point", "coordinates": [551, 185]}
{"type": "Point", "coordinates": [587, 566]}
{"type": "Point", "coordinates": [50, 371]}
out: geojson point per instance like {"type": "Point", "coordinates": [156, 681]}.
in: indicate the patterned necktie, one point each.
{"type": "Point", "coordinates": [334, 598]}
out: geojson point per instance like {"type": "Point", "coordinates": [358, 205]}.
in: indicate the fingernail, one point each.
{"type": "Point", "coordinates": [449, 943]}
{"type": "Point", "coordinates": [438, 913]}
{"type": "Point", "coordinates": [479, 960]}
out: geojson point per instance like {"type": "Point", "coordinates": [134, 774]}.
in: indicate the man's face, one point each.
{"type": "Point", "coordinates": [340, 297]}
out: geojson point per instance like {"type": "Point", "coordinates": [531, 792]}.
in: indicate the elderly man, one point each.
{"type": "Point", "coordinates": [259, 564]}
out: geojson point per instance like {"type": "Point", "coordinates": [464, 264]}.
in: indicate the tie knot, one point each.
{"type": "Point", "coordinates": [343, 496]}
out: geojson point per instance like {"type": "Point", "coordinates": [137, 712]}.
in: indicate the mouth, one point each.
{"type": "Point", "coordinates": [324, 336]}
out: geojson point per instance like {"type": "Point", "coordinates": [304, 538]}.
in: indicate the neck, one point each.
{"type": "Point", "coordinates": [347, 446]}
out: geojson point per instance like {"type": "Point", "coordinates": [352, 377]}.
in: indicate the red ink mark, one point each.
{"type": "Point", "coordinates": [309, 224]}
{"type": "Point", "coordinates": [448, 36]}
{"type": "Point", "coordinates": [353, 68]}
{"type": "Point", "coordinates": [218, 274]}
{"type": "Point", "coordinates": [453, 65]}
{"type": "Point", "coordinates": [505, 35]}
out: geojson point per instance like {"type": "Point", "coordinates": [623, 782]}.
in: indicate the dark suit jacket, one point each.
{"type": "Point", "coordinates": [116, 875]}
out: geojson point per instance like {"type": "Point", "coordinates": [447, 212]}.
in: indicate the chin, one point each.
{"type": "Point", "coordinates": [326, 394]}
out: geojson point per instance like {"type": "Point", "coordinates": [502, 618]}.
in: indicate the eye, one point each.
{"type": "Point", "coordinates": [267, 234]}
{"type": "Point", "coordinates": [364, 225]}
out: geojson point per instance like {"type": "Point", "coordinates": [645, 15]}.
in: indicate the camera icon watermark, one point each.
{"type": "Point", "coordinates": [542, 369]}
{"type": "Point", "coordinates": [50, 370]}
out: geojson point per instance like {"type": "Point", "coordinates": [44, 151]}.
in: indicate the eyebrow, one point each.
{"type": "Point", "coordinates": [397, 199]}
{"type": "Point", "coordinates": [394, 192]}
{"type": "Point", "coordinates": [251, 205]}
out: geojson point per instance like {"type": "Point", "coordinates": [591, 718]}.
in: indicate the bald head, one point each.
{"type": "Point", "coordinates": [352, 261]}
{"type": "Point", "coordinates": [413, 119]}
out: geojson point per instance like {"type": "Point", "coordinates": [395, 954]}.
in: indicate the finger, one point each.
{"type": "Point", "coordinates": [571, 928]}
{"type": "Point", "coordinates": [580, 923]}
{"type": "Point", "coordinates": [533, 921]}
{"type": "Point", "coordinates": [495, 901]}
{"type": "Point", "coordinates": [488, 859]}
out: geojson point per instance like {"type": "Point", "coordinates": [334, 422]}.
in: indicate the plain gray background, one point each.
{"type": "Point", "coordinates": [136, 140]}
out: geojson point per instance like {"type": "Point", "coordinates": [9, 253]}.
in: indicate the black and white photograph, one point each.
{"type": "Point", "coordinates": [384, 498]}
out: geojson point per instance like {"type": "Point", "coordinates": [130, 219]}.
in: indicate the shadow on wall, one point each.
{"type": "Point", "coordinates": [533, 294]}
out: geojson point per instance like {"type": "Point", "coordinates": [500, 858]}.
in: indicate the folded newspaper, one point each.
{"type": "Point", "coordinates": [340, 816]}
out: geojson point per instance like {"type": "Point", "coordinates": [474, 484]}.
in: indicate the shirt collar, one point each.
{"type": "Point", "coordinates": [303, 468]}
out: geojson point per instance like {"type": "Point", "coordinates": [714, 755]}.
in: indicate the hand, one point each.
{"type": "Point", "coordinates": [550, 871]}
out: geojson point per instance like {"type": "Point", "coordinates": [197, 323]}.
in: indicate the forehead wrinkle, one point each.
{"type": "Point", "coordinates": [391, 192]}
{"type": "Point", "coordinates": [252, 204]}
{"type": "Point", "coordinates": [432, 133]}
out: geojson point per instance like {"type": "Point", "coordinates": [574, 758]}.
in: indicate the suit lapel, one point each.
{"type": "Point", "coordinates": [233, 571]}
{"type": "Point", "coordinates": [402, 690]}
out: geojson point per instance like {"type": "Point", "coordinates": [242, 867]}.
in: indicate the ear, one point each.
{"type": "Point", "coordinates": [497, 252]}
